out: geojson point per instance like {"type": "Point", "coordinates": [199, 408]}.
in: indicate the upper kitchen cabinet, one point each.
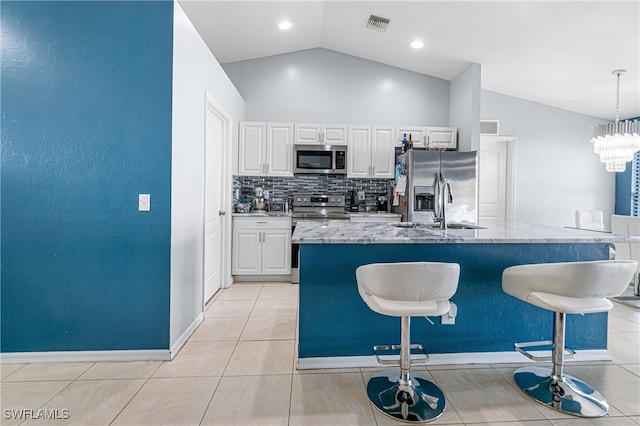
{"type": "Point", "coordinates": [418, 135]}
{"type": "Point", "coordinates": [442, 137]}
{"type": "Point", "coordinates": [320, 134]}
{"type": "Point", "coordinates": [370, 152]}
{"type": "Point", "coordinates": [428, 137]}
{"type": "Point", "coordinates": [265, 149]}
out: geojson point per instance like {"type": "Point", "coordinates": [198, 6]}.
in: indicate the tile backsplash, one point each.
{"type": "Point", "coordinates": [286, 187]}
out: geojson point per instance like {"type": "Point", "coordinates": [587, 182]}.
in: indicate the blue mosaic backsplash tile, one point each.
{"type": "Point", "coordinates": [286, 187]}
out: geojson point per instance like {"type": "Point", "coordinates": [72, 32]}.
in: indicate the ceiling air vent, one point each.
{"type": "Point", "coordinates": [378, 23]}
{"type": "Point", "coordinates": [489, 127]}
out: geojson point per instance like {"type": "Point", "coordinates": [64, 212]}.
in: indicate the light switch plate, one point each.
{"type": "Point", "coordinates": [144, 202]}
{"type": "Point", "coordinates": [361, 196]}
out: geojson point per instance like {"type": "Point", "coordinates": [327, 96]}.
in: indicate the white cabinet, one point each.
{"type": "Point", "coordinates": [359, 152]}
{"type": "Point", "coordinates": [252, 149]}
{"type": "Point", "coordinates": [320, 134]}
{"type": "Point", "coordinates": [442, 137]}
{"type": "Point", "coordinates": [428, 137]}
{"type": "Point", "coordinates": [279, 149]}
{"type": "Point", "coordinates": [382, 152]}
{"type": "Point", "coordinates": [261, 246]}
{"type": "Point", "coordinates": [265, 149]}
{"type": "Point", "coordinates": [370, 153]}
{"type": "Point", "coordinates": [418, 135]}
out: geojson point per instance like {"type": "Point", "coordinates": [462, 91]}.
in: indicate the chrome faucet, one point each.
{"type": "Point", "coordinates": [444, 196]}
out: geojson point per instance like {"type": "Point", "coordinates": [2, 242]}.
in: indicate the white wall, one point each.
{"type": "Point", "coordinates": [556, 169]}
{"type": "Point", "coordinates": [464, 110]}
{"type": "Point", "coordinates": [195, 71]}
{"type": "Point", "coordinates": [324, 86]}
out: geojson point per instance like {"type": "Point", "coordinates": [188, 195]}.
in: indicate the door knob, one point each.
{"type": "Point", "coordinates": [221, 213]}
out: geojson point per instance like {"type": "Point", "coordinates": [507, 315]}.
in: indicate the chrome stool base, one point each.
{"type": "Point", "coordinates": [567, 394]}
{"type": "Point", "coordinates": [419, 401]}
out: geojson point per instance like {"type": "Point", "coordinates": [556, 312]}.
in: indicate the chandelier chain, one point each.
{"type": "Point", "coordinates": [618, 96]}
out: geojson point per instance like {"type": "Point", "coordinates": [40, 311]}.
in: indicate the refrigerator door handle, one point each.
{"type": "Point", "coordinates": [438, 197]}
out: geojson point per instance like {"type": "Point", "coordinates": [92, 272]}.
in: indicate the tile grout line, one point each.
{"type": "Point", "coordinates": [136, 393]}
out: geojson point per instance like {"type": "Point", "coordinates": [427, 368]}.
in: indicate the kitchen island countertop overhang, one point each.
{"type": "Point", "coordinates": [336, 329]}
{"type": "Point", "coordinates": [390, 233]}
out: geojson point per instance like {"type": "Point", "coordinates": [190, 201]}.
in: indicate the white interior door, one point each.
{"type": "Point", "coordinates": [495, 180]}
{"type": "Point", "coordinates": [216, 133]}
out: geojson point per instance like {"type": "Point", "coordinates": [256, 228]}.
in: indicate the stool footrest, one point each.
{"type": "Point", "coordinates": [394, 351]}
{"type": "Point", "coordinates": [568, 353]}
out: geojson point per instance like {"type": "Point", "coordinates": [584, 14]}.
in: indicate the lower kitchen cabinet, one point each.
{"type": "Point", "coordinates": [261, 246]}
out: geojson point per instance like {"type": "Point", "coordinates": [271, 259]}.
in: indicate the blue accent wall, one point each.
{"type": "Point", "coordinates": [623, 191]}
{"type": "Point", "coordinates": [86, 127]}
{"type": "Point", "coordinates": [335, 322]}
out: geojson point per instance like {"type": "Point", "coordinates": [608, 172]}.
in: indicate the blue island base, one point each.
{"type": "Point", "coordinates": [337, 329]}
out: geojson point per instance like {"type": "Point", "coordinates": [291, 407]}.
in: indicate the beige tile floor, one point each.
{"type": "Point", "coordinates": [238, 368]}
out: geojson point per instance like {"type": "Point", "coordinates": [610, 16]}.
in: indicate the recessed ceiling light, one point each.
{"type": "Point", "coordinates": [417, 44]}
{"type": "Point", "coordinates": [284, 25]}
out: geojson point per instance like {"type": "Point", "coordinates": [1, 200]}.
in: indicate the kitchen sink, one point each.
{"type": "Point", "coordinates": [407, 224]}
{"type": "Point", "coordinates": [464, 226]}
{"type": "Point", "coordinates": [435, 225]}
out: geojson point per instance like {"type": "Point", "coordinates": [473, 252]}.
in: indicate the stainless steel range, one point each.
{"type": "Point", "coordinates": [314, 208]}
{"type": "Point", "coordinates": [318, 208]}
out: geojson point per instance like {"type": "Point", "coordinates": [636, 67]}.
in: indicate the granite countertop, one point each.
{"type": "Point", "coordinates": [375, 214]}
{"type": "Point", "coordinates": [262, 214]}
{"type": "Point", "coordinates": [387, 233]}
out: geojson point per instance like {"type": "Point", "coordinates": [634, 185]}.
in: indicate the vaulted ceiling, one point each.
{"type": "Point", "coordinates": [559, 53]}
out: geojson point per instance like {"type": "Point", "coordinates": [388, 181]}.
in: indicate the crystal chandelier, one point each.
{"type": "Point", "coordinates": [616, 142]}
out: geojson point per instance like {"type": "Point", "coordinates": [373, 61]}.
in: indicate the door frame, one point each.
{"type": "Point", "coordinates": [212, 105]}
{"type": "Point", "coordinates": [510, 196]}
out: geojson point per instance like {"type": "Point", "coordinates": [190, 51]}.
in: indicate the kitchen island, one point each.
{"type": "Point", "coordinates": [337, 329]}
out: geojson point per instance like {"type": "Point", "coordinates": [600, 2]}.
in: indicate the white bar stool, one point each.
{"type": "Point", "coordinates": [405, 290]}
{"type": "Point", "coordinates": [565, 288]}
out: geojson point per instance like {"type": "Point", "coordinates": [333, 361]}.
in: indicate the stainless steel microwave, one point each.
{"type": "Point", "coordinates": [327, 159]}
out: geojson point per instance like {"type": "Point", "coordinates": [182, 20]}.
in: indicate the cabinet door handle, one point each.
{"type": "Point", "coordinates": [221, 213]}
{"type": "Point", "coordinates": [373, 170]}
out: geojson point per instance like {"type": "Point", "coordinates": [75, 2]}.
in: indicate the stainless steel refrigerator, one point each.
{"type": "Point", "coordinates": [425, 173]}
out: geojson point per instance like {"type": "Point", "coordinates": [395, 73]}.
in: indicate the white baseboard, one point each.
{"type": "Point", "coordinates": [102, 356]}
{"type": "Point", "coordinates": [84, 356]}
{"type": "Point", "coordinates": [175, 348]}
{"type": "Point", "coordinates": [262, 278]}
{"type": "Point", "coordinates": [510, 357]}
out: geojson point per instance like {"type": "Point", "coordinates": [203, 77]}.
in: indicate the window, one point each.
{"type": "Point", "coordinates": [635, 165]}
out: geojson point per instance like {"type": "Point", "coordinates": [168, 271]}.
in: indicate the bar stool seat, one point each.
{"type": "Point", "coordinates": [404, 290]}
{"type": "Point", "coordinates": [565, 288]}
